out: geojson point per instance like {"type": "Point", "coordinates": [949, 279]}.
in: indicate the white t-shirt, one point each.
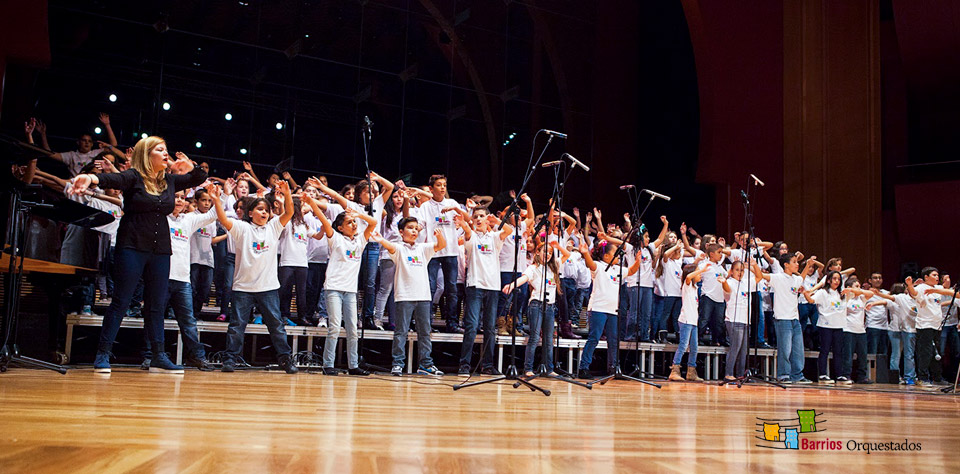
{"type": "Point", "coordinates": [201, 244]}
{"type": "Point", "coordinates": [343, 269]}
{"type": "Point", "coordinates": [182, 231]}
{"type": "Point", "coordinates": [318, 250]}
{"type": "Point", "coordinates": [808, 283]}
{"type": "Point", "coordinates": [605, 297]}
{"type": "Point", "coordinates": [506, 252]}
{"type": "Point", "coordinates": [293, 244]}
{"type": "Point", "coordinates": [411, 281]}
{"type": "Point", "coordinates": [390, 232]}
{"type": "Point", "coordinates": [785, 290]}
{"type": "Point", "coordinates": [712, 288]}
{"type": "Point", "coordinates": [689, 309]}
{"type": "Point", "coordinates": [630, 256]}
{"type": "Point", "coordinates": [75, 160]}
{"type": "Point", "coordinates": [433, 219]}
{"type": "Point", "coordinates": [833, 311]}
{"type": "Point", "coordinates": [534, 275]}
{"type": "Point", "coordinates": [877, 314]}
{"type": "Point", "coordinates": [670, 279]}
{"type": "Point", "coordinates": [738, 301]}
{"type": "Point", "coordinates": [855, 316]}
{"type": "Point", "coordinates": [112, 209]}
{"type": "Point", "coordinates": [929, 313]}
{"type": "Point", "coordinates": [906, 312]}
{"type": "Point", "coordinates": [584, 277]}
{"type": "Point", "coordinates": [228, 202]}
{"type": "Point", "coordinates": [256, 268]}
{"type": "Point", "coordinates": [645, 274]}
{"type": "Point", "coordinates": [461, 265]}
{"type": "Point", "coordinates": [483, 260]}
{"type": "Point", "coordinates": [378, 205]}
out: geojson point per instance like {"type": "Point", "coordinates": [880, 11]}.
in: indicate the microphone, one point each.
{"type": "Point", "coordinates": [657, 195]}
{"type": "Point", "coordinates": [555, 134]}
{"type": "Point", "coordinates": [552, 163]}
{"type": "Point", "coordinates": [757, 180]}
{"type": "Point", "coordinates": [577, 162]}
{"type": "Point", "coordinates": [367, 123]}
{"type": "Point", "coordinates": [743, 195]}
{"type": "Point", "coordinates": [626, 187]}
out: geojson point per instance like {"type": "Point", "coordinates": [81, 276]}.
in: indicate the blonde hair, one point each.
{"type": "Point", "coordinates": [154, 182]}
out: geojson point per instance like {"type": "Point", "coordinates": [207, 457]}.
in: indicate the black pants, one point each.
{"type": "Point", "coordinates": [831, 340]}
{"type": "Point", "coordinates": [928, 368]}
{"type": "Point", "coordinates": [855, 344]}
{"type": "Point", "coordinates": [201, 277]}
{"type": "Point", "coordinates": [290, 276]}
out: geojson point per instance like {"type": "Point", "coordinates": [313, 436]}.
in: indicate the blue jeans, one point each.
{"type": "Point", "coordinates": [369, 264]}
{"type": "Point", "coordinates": [569, 286]}
{"type": "Point", "coordinates": [687, 338]}
{"type": "Point", "coordinates": [628, 312]}
{"type": "Point", "coordinates": [485, 302]}
{"type": "Point", "coordinates": [226, 301]}
{"type": "Point", "coordinates": [583, 294]}
{"type": "Point", "coordinates": [877, 341]}
{"type": "Point", "coordinates": [670, 313]}
{"type": "Point", "coordinates": [129, 267]}
{"type": "Point", "coordinates": [908, 342]}
{"type": "Point", "coordinates": [341, 304]}
{"type": "Point", "coordinates": [646, 309]}
{"type": "Point", "coordinates": [606, 324]}
{"type": "Point", "coordinates": [711, 315]}
{"type": "Point", "coordinates": [201, 277]}
{"type": "Point", "coordinates": [854, 343]}
{"type": "Point", "coordinates": [894, 337]}
{"type": "Point", "coordinates": [316, 275]}
{"type": "Point", "coordinates": [516, 302]}
{"type": "Point", "coordinates": [449, 267]}
{"type": "Point", "coordinates": [789, 349]}
{"type": "Point", "coordinates": [269, 304]}
{"type": "Point", "coordinates": [420, 311]}
{"type": "Point", "coordinates": [808, 321]}
{"type": "Point", "coordinates": [656, 321]}
{"type": "Point", "coordinates": [180, 298]}
{"type": "Point", "coordinates": [540, 321]}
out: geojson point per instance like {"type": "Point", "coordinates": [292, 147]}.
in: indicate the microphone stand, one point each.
{"type": "Point", "coordinates": [752, 373]}
{"type": "Point", "coordinates": [637, 219]}
{"type": "Point", "coordinates": [514, 211]}
{"type": "Point", "coordinates": [366, 138]}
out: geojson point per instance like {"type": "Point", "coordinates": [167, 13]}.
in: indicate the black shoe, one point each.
{"type": "Point", "coordinates": [865, 382]}
{"type": "Point", "coordinates": [358, 371]}
{"type": "Point", "coordinates": [464, 370]}
{"type": "Point", "coordinates": [490, 371]}
{"type": "Point", "coordinates": [330, 371]}
{"type": "Point", "coordinates": [200, 363]}
{"type": "Point", "coordinates": [585, 374]}
{"type": "Point", "coordinates": [287, 364]}
{"type": "Point", "coordinates": [145, 365]}
{"type": "Point", "coordinates": [453, 329]}
{"type": "Point", "coordinates": [765, 346]}
{"type": "Point", "coordinates": [228, 365]}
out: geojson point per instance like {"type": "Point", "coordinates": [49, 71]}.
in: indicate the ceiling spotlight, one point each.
{"type": "Point", "coordinates": [166, 106]}
{"type": "Point", "coordinates": [198, 144]}
{"type": "Point", "coordinates": [113, 97]}
{"type": "Point", "coordinates": [279, 126]}
{"type": "Point", "coordinates": [228, 117]}
{"type": "Point", "coordinates": [143, 135]}
{"type": "Point", "coordinates": [243, 151]}
{"type": "Point", "coordinates": [97, 130]}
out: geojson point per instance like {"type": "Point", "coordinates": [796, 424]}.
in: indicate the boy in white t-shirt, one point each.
{"type": "Point", "coordinates": [255, 279]}
{"type": "Point", "coordinates": [787, 286]}
{"type": "Point", "coordinates": [435, 216]}
{"type": "Point", "coordinates": [929, 295]}
{"type": "Point", "coordinates": [411, 291]}
{"type": "Point", "coordinates": [201, 252]}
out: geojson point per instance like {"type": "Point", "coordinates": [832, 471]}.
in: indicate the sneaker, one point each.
{"type": "Point", "coordinates": [86, 311]}
{"type": "Point", "coordinates": [222, 318]}
{"type": "Point", "coordinates": [865, 382]}
{"type": "Point", "coordinates": [396, 371]}
{"type": "Point", "coordinates": [903, 381]}
{"type": "Point", "coordinates": [145, 365]}
{"type": "Point", "coordinates": [106, 301]}
{"type": "Point", "coordinates": [101, 364]}
{"type": "Point", "coordinates": [464, 371]}
{"type": "Point", "coordinates": [490, 371]}
{"type": "Point", "coordinates": [909, 382]}
{"type": "Point", "coordinates": [432, 370]}
{"type": "Point", "coordinates": [161, 364]}
{"type": "Point", "coordinates": [323, 323]}
{"type": "Point", "coordinates": [228, 365]}
{"type": "Point", "coordinates": [923, 383]}
{"type": "Point", "coordinates": [764, 345]}
{"type": "Point", "coordinates": [331, 371]}
{"type": "Point", "coordinates": [826, 380]}
{"type": "Point", "coordinates": [785, 381]}
{"type": "Point", "coordinates": [803, 381]}
{"type": "Point", "coordinates": [358, 371]}
{"type": "Point", "coordinates": [258, 320]}
{"type": "Point", "coordinates": [585, 374]}
{"type": "Point", "coordinates": [287, 364]}
{"type": "Point", "coordinates": [200, 363]}
{"type": "Point", "coordinates": [843, 380]}
{"type": "Point", "coordinates": [289, 322]}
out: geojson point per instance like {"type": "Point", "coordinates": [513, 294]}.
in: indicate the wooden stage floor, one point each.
{"type": "Point", "coordinates": [259, 421]}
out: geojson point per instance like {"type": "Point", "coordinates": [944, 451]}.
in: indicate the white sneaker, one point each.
{"type": "Point", "coordinates": [825, 379]}
{"type": "Point", "coordinates": [396, 371]}
{"type": "Point", "coordinates": [323, 323]}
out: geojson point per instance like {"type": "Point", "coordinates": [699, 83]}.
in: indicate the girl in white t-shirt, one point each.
{"type": "Point", "coordinates": [832, 318]}
{"type": "Point", "coordinates": [255, 279]}
{"type": "Point", "coordinates": [294, 239]}
{"type": "Point", "coordinates": [689, 316]}
{"type": "Point", "coordinates": [855, 333]}
{"type": "Point", "coordinates": [736, 317]}
{"type": "Point", "coordinates": [667, 273]}
{"type": "Point", "coordinates": [318, 254]}
{"type": "Point", "coordinates": [397, 209]}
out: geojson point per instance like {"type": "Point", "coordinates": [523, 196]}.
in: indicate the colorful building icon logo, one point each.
{"type": "Point", "coordinates": [785, 433]}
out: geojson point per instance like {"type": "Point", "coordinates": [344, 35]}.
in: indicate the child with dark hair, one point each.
{"type": "Point", "coordinates": [929, 295]}
{"type": "Point", "coordinates": [855, 333]}
{"type": "Point", "coordinates": [689, 317]}
{"type": "Point", "coordinates": [831, 321]}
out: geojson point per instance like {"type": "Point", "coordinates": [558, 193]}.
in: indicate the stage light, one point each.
{"type": "Point", "coordinates": [198, 144]}
{"type": "Point", "coordinates": [143, 135]}
{"type": "Point", "coordinates": [228, 117]}
{"type": "Point", "coordinates": [166, 106]}
{"type": "Point", "coordinates": [279, 126]}
{"type": "Point", "coordinates": [243, 151]}
{"type": "Point", "coordinates": [306, 36]}
{"type": "Point", "coordinates": [97, 130]}
{"type": "Point", "coordinates": [113, 97]}
{"type": "Point", "coordinates": [513, 135]}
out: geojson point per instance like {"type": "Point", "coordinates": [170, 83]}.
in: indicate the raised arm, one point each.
{"type": "Point", "coordinates": [663, 232]}
{"type": "Point", "coordinates": [284, 188]}
{"type": "Point", "coordinates": [324, 222]}
{"type": "Point", "coordinates": [441, 242]}
{"type": "Point", "coordinates": [386, 187]}
{"type": "Point", "coordinates": [344, 203]}
{"type": "Point", "coordinates": [222, 218]}
{"type": "Point", "coordinates": [505, 231]}
{"type": "Point", "coordinates": [808, 269]}
{"type": "Point", "coordinates": [386, 244]}
{"type": "Point", "coordinates": [105, 120]}
{"type": "Point", "coordinates": [587, 259]}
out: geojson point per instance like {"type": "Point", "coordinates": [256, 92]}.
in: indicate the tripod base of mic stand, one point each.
{"type": "Point", "coordinates": [370, 367]}
{"type": "Point", "coordinates": [618, 375]}
{"type": "Point", "coordinates": [755, 378]}
{"type": "Point", "coordinates": [8, 356]}
{"type": "Point", "coordinates": [510, 374]}
{"type": "Point", "coordinates": [637, 373]}
{"type": "Point", "coordinates": [543, 372]}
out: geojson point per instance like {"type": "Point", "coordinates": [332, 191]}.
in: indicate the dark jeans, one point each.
{"type": "Point", "coordinates": [180, 298]}
{"type": "Point", "coordinates": [646, 310]}
{"type": "Point", "coordinates": [950, 346]}
{"type": "Point", "coordinates": [737, 354]}
{"type": "Point", "coordinates": [808, 322]}
{"type": "Point", "coordinates": [831, 340]}
{"type": "Point", "coordinates": [601, 323]}
{"type": "Point", "coordinates": [129, 266]}
{"type": "Point", "coordinates": [226, 300]}
{"type": "Point", "coordinates": [219, 277]}
{"type": "Point", "coordinates": [290, 276]}
{"type": "Point", "coordinates": [449, 267]}
{"type": "Point", "coordinates": [419, 311]}
{"type": "Point", "coordinates": [316, 275]}
{"type": "Point", "coordinates": [541, 322]}
{"type": "Point", "coordinates": [569, 286]}
{"type": "Point", "coordinates": [516, 303]}
{"type": "Point", "coordinates": [669, 314]}
{"type": "Point", "coordinates": [269, 304]}
{"type": "Point", "coordinates": [201, 277]}
{"type": "Point", "coordinates": [928, 368]}
{"type": "Point", "coordinates": [479, 301]}
{"type": "Point", "coordinates": [369, 264]}
{"type": "Point", "coordinates": [876, 341]}
{"type": "Point", "coordinates": [628, 312]}
{"type": "Point", "coordinates": [855, 344]}
{"type": "Point", "coordinates": [711, 315]}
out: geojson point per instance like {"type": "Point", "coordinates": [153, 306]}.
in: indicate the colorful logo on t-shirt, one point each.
{"type": "Point", "coordinates": [855, 306]}
{"type": "Point", "coordinates": [352, 255]}
{"type": "Point", "coordinates": [300, 237]}
{"type": "Point", "coordinates": [443, 220]}
{"type": "Point", "coordinates": [676, 273]}
{"type": "Point", "coordinates": [178, 234]}
{"type": "Point", "coordinates": [415, 261]}
{"type": "Point", "coordinates": [259, 247]}
{"type": "Point", "coordinates": [484, 248]}
{"type": "Point", "coordinates": [835, 304]}
{"type": "Point", "coordinates": [115, 213]}
{"type": "Point", "coordinates": [795, 290]}
{"type": "Point", "coordinates": [203, 232]}
{"type": "Point", "coordinates": [614, 278]}
{"type": "Point", "coordinates": [743, 294]}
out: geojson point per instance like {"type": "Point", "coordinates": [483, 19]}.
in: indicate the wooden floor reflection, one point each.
{"type": "Point", "coordinates": [266, 422]}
